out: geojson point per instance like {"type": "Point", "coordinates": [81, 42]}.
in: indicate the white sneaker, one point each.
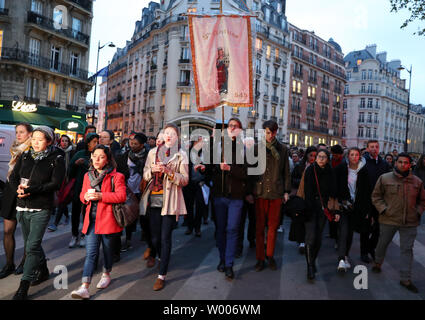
{"type": "Point", "coordinates": [81, 293]}
{"type": "Point", "coordinates": [347, 263]}
{"type": "Point", "coordinates": [74, 242]}
{"type": "Point", "coordinates": [280, 229]}
{"type": "Point", "coordinates": [82, 243]}
{"type": "Point", "coordinates": [341, 266]}
{"type": "Point", "coordinates": [104, 282]}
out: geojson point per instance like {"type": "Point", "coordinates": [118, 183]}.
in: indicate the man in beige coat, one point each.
{"type": "Point", "coordinates": [399, 197]}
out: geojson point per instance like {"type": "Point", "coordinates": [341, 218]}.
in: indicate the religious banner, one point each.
{"type": "Point", "coordinates": [222, 60]}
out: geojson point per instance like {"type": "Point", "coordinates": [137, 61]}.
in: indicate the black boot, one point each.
{"type": "Point", "coordinates": [20, 269]}
{"type": "Point", "coordinates": [229, 273]}
{"type": "Point", "coordinates": [42, 274]}
{"type": "Point", "coordinates": [22, 293]}
{"type": "Point", "coordinates": [7, 270]}
{"type": "Point", "coordinates": [310, 263]}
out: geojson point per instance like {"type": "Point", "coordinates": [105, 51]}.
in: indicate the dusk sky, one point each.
{"type": "Point", "coordinates": [351, 23]}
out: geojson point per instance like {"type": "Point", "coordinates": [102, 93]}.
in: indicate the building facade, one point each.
{"type": "Point", "coordinates": [416, 133]}
{"type": "Point", "coordinates": [150, 81]}
{"type": "Point", "coordinates": [375, 101]}
{"type": "Point", "coordinates": [44, 53]}
{"type": "Point", "coordinates": [317, 80]}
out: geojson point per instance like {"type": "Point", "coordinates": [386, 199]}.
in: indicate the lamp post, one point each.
{"type": "Point", "coordinates": [111, 45]}
{"type": "Point", "coordinates": [408, 105]}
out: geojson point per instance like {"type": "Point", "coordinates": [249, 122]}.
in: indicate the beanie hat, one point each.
{"type": "Point", "coordinates": [47, 131]}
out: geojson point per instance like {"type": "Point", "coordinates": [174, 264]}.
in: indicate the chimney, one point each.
{"type": "Point", "coordinates": [372, 50]}
{"type": "Point", "coordinates": [382, 56]}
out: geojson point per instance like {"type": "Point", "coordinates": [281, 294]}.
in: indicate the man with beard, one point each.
{"type": "Point", "coordinates": [131, 164]}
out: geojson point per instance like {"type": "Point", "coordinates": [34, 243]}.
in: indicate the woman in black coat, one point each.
{"type": "Point", "coordinates": [297, 229]}
{"type": "Point", "coordinates": [354, 196]}
{"type": "Point", "coordinates": [315, 213]}
{"type": "Point", "coordinates": [420, 169]}
{"type": "Point", "coordinates": [36, 176]}
{"type": "Point", "coordinates": [22, 143]}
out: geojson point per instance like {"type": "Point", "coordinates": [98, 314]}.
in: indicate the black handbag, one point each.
{"type": "Point", "coordinates": [128, 212]}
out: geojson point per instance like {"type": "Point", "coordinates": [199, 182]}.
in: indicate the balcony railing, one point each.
{"type": "Point", "coordinates": [324, 100]}
{"type": "Point", "coordinates": [32, 100]}
{"type": "Point", "coordinates": [71, 107]}
{"type": "Point", "coordinates": [325, 85]}
{"type": "Point", "coordinates": [13, 54]}
{"type": "Point", "coordinates": [154, 66]}
{"type": "Point", "coordinates": [184, 108]}
{"type": "Point", "coordinates": [324, 115]}
{"type": "Point", "coordinates": [370, 91]}
{"type": "Point", "coordinates": [311, 112]}
{"type": "Point", "coordinates": [295, 108]}
{"type": "Point", "coordinates": [275, 99]}
{"type": "Point", "coordinates": [4, 12]}
{"type": "Point", "coordinates": [47, 23]}
{"type": "Point", "coordinates": [151, 109]}
{"type": "Point", "coordinates": [312, 80]}
{"type": "Point", "coordinates": [298, 74]}
{"type": "Point", "coordinates": [184, 60]}
{"type": "Point", "coordinates": [276, 80]}
{"type": "Point", "coordinates": [152, 88]}
{"type": "Point", "coordinates": [86, 4]}
{"type": "Point", "coordinates": [53, 104]}
{"type": "Point", "coordinates": [294, 125]}
{"type": "Point", "coordinates": [183, 84]}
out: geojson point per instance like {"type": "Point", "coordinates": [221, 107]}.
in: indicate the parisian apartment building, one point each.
{"type": "Point", "coordinates": [150, 81]}
{"type": "Point", "coordinates": [317, 80]}
{"type": "Point", "coordinates": [416, 133]}
{"type": "Point", "coordinates": [44, 54]}
{"type": "Point", "coordinates": [375, 100]}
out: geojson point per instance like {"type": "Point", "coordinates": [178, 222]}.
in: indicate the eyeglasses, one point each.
{"type": "Point", "coordinates": [233, 126]}
{"type": "Point", "coordinates": [322, 157]}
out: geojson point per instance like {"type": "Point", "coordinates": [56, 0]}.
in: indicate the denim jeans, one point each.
{"type": "Point", "coordinates": [34, 225]}
{"type": "Point", "coordinates": [228, 215]}
{"type": "Point", "coordinates": [93, 242]}
{"type": "Point", "coordinates": [161, 229]}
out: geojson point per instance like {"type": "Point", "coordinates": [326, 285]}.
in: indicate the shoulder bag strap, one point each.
{"type": "Point", "coordinates": [112, 184]}
{"type": "Point", "coordinates": [318, 187]}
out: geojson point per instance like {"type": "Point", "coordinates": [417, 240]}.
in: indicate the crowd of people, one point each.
{"type": "Point", "coordinates": [349, 189]}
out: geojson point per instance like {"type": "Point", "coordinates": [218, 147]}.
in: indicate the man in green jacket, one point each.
{"type": "Point", "coordinates": [272, 187]}
{"type": "Point", "coordinates": [399, 197]}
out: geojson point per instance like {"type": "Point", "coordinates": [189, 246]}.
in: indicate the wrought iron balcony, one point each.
{"type": "Point", "coordinates": [4, 12]}
{"type": "Point", "coordinates": [49, 24]}
{"type": "Point", "coordinates": [53, 104]}
{"type": "Point", "coordinates": [13, 54]}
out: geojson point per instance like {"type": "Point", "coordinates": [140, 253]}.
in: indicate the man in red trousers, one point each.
{"type": "Point", "coordinates": [271, 189]}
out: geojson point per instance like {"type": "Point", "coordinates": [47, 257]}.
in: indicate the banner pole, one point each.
{"type": "Point", "coordinates": [222, 148]}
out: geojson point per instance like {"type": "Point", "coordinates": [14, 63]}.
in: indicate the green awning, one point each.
{"type": "Point", "coordinates": [13, 117]}
{"type": "Point", "coordinates": [52, 117]}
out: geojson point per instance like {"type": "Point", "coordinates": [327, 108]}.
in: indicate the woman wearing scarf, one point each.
{"type": "Point", "coordinates": [319, 194]}
{"type": "Point", "coordinates": [37, 175]}
{"type": "Point", "coordinates": [354, 195]}
{"type": "Point", "coordinates": [66, 146]}
{"type": "Point", "coordinates": [78, 167]}
{"type": "Point", "coordinates": [102, 187]}
{"type": "Point", "coordinates": [8, 211]}
{"type": "Point", "coordinates": [167, 167]}
{"type": "Point", "coordinates": [297, 229]}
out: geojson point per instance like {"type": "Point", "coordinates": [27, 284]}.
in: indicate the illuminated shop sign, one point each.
{"type": "Point", "coordinates": [72, 125]}
{"type": "Point", "coordinates": [23, 106]}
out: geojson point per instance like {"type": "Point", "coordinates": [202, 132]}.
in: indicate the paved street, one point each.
{"type": "Point", "coordinates": [192, 273]}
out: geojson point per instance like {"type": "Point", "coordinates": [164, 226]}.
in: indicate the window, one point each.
{"type": "Point", "coordinates": [54, 58]}
{"type": "Point", "coordinates": [344, 117]}
{"type": "Point", "coordinates": [1, 4]}
{"type": "Point", "coordinates": [185, 33]}
{"type": "Point", "coordinates": [185, 76]}
{"type": "Point", "coordinates": [348, 75]}
{"type": "Point", "coordinates": [294, 86]}
{"type": "Point", "coordinates": [58, 16]}
{"type": "Point", "coordinates": [361, 117]}
{"type": "Point", "coordinates": [369, 74]}
{"type": "Point", "coordinates": [369, 103]}
{"type": "Point", "coordinates": [268, 51]}
{"type": "Point", "coordinates": [74, 63]}
{"type": "Point", "coordinates": [53, 94]}
{"type": "Point", "coordinates": [362, 103]}
{"type": "Point", "coordinates": [363, 74]}
{"type": "Point", "coordinates": [77, 26]}
{"type": "Point", "coordinates": [258, 44]}
{"type": "Point", "coordinates": [72, 97]}
{"type": "Point", "coordinates": [34, 54]}
{"type": "Point", "coordinates": [346, 89]}
{"type": "Point", "coordinates": [185, 53]}
{"type": "Point", "coordinates": [163, 100]}
{"type": "Point", "coordinates": [185, 101]}
{"type": "Point", "coordinates": [36, 6]}
{"type": "Point", "coordinates": [32, 88]}
{"type": "Point", "coordinates": [299, 87]}
{"type": "Point", "coordinates": [276, 52]}
{"type": "Point", "coordinates": [344, 104]}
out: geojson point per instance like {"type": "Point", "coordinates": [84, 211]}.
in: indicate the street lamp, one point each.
{"type": "Point", "coordinates": [111, 45]}
{"type": "Point", "coordinates": [408, 105]}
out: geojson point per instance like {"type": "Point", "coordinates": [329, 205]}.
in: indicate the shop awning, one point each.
{"type": "Point", "coordinates": [52, 117]}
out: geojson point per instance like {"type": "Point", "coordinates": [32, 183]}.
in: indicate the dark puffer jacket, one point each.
{"type": "Point", "coordinates": [45, 177]}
